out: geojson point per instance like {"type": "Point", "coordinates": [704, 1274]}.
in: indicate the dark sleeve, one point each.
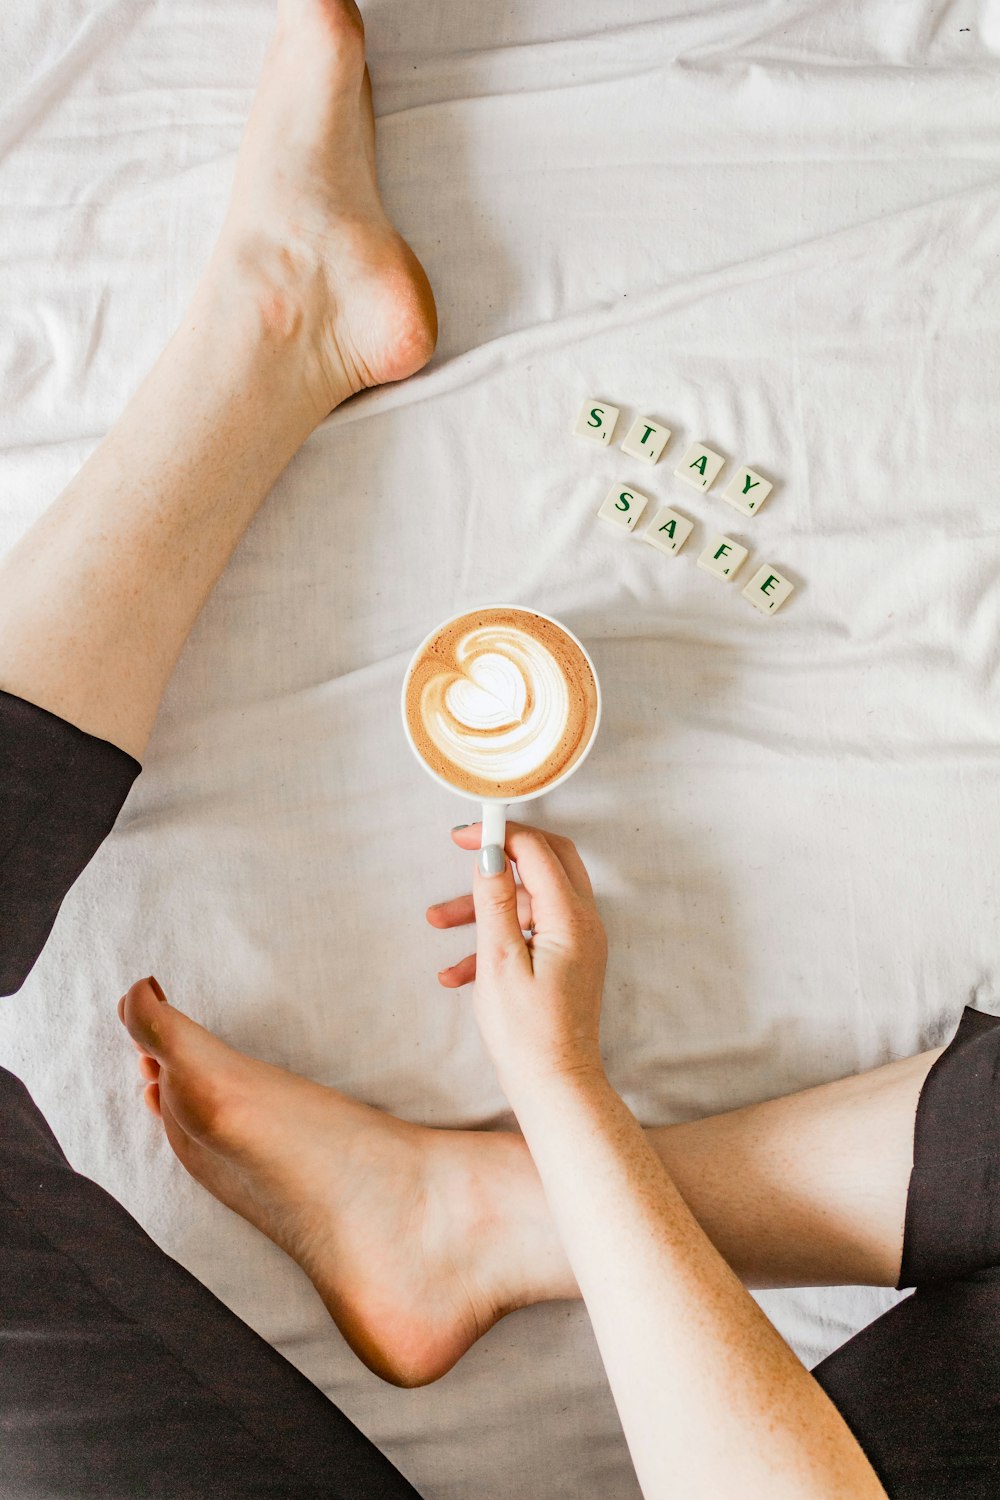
{"type": "Point", "coordinates": [60, 793]}
{"type": "Point", "coordinates": [952, 1225]}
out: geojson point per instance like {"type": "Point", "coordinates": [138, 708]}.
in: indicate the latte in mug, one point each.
{"type": "Point", "coordinates": [501, 703]}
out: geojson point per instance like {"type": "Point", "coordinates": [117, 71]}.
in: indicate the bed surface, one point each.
{"type": "Point", "coordinates": [774, 227]}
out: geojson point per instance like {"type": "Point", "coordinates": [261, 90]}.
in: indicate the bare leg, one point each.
{"type": "Point", "coordinates": [419, 1240]}
{"type": "Point", "coordinates": [809, 1190]}
{"type": "Point", "coordinates": [310, 295]}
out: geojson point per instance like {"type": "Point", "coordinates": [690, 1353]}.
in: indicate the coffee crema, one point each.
{"type": "Point", "coordinates": [501, 703]}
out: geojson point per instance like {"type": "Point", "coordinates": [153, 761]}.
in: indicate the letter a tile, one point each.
{"type": "Point", "coordinates": [668, 531]}
{"type": "Point", "coordinates": [623, 507]}
{"type": "Point", "coordinates": [596, 422]}
{"type": "Point", "coordinates": [699, 466]}
{"type": "Point", "coordinates": [747, 491]}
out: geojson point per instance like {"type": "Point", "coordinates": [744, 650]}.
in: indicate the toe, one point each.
{"type": "Point", "coordinates": [211, 1088]}
{"type": "Point", "coordinates": [170, 1038]}
{"type": "Point", "coordinates": [146, 1017]}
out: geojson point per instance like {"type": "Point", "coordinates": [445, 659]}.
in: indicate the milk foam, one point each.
{"type": "Point", "coordinates": [504, 717]}
{"type": "Point", "coordinates": [501, 703]}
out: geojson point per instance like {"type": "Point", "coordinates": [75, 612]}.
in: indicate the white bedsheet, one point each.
{"type": "Point", "coordinates": [775, 227]}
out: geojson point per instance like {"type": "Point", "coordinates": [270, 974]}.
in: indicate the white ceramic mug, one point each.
{"type": "Point", "coordinates": [494, 812]}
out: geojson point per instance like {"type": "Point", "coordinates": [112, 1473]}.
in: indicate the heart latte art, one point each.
{"type": "Point", "coordinates": [501, 703]}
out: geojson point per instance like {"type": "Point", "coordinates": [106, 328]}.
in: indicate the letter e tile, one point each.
{"type": "Point", "coordinates": [597, 422]}
{"type": "Point", "coordinates": [767, 590]}
{"type": "Point", "coordinates": [623, 507]}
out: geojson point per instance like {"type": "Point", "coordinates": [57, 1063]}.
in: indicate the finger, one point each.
{"type": "Point", "coordinates": [566, 852]}
{"type": "Point", "coordinates": [460, 911]}
{"type": "Point", "coordinates": [464, 972]}
{"type": "Point", "coordinates": [555, 904]}
{"type": "Point", "coordinates": [499, 941]}
{"type": "Point", "coordinates": [569, 857]}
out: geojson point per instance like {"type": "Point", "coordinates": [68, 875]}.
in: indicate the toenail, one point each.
{"type": "Point", "coordinates": [154, 985]}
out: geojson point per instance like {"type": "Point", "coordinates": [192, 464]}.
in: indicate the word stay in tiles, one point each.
{"type": "Point", "coordinates": [623, 507]}
{"type": "Point", "coordinates": [722, 557]}
{"type": "Point", "coordinates": [668, 530]}
{"type": "Point", "coordinates": [596, 422]}
{"type": "Point", "coordinates": [746, 490]}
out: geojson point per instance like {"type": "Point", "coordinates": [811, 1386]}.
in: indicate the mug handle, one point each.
{"type": "Point", "coordinates": [494, 824]}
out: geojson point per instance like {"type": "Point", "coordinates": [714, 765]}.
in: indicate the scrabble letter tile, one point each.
{"type": "Point", "coordinates": [699, 466]}
{"type": "Point", "coordinates": [646, 440]}
{"type": "Point", "coordinates": [596, 422]}
{"type": "Point", "coordinates": [767, 590]}
{"type": "Point", "coordinates": [623, 507]}
{"type": "Point", "coordinates": [669, 530]}
{"type": "Point", "coordinates": [747, 491]}
{"type": "Point", "coordinates": [723, 557]}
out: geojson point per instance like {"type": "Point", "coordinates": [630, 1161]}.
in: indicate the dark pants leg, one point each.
{"type": "Point", "coordinates": [122, 1377]}
{"type": "Point", "coordinates": [920, 1390]}
{"type": "Point", "coordinates": [920, 1387]}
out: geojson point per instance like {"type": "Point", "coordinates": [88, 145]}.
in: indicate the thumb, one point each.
{"type": "Point", "coordinates": [494, 894]}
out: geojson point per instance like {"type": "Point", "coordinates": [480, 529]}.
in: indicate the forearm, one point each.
{"type": "Point", "coordinates": [711, 1399]}
{"type": "Point", "coordinates": [98, 597]}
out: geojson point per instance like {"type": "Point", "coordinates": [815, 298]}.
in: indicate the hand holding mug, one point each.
{"type": "Point", "coordinates": [537, 1000]}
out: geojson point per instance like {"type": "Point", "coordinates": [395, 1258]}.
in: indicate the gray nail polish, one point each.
{"type": "Point", "coordinates": [492, 860]}
{"type": "Point", "coordinates": [459, 826]}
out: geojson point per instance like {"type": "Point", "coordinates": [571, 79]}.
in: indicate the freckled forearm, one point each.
{"type": "Point", "coordinates": [708, 1393]}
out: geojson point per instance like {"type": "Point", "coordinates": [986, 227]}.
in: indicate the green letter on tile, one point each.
{"type": "Point", "coordinates": [765, 586]}
{"type": "Point", "coordinates": [596, 417]}
{"type": "Point", "coordinates": [622, 503]}
{"type": "Point", "coordinates": [648, 433]}
{"type": "Point", "coordinates": [700, 464]}
{"type": "Point", "coordinates": [723, 549]}
{"type": "Point", "coordinates": [670, 528]}
{"type": "Point", "coordinates": [750, 484]}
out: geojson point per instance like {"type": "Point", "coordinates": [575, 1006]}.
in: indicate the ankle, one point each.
{"type": "Point", "coordinates": [516, 1251]}
{"type": "Point", "coordinates": [271, 300]}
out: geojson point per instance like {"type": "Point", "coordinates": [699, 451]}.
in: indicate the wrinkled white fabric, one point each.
{"type": "Point", "coordinates": [775, 228]}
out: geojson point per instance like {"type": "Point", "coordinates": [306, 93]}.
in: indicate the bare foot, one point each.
{"type": "Point", "coordinates": [417, 1240]}
{"type": "Point", "coordinates": [306, 230]}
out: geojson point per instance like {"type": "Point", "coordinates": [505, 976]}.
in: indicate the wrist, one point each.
{"type": "Point", "coordinates": [526, 1081]}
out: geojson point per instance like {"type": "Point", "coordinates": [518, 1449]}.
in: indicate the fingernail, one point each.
{"type": "Point", "coordinates": [155, 987]}
{"type": "Point", "coordinates": [492, 860]}
{"type": "Point", "coordinates": [459, 826]}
